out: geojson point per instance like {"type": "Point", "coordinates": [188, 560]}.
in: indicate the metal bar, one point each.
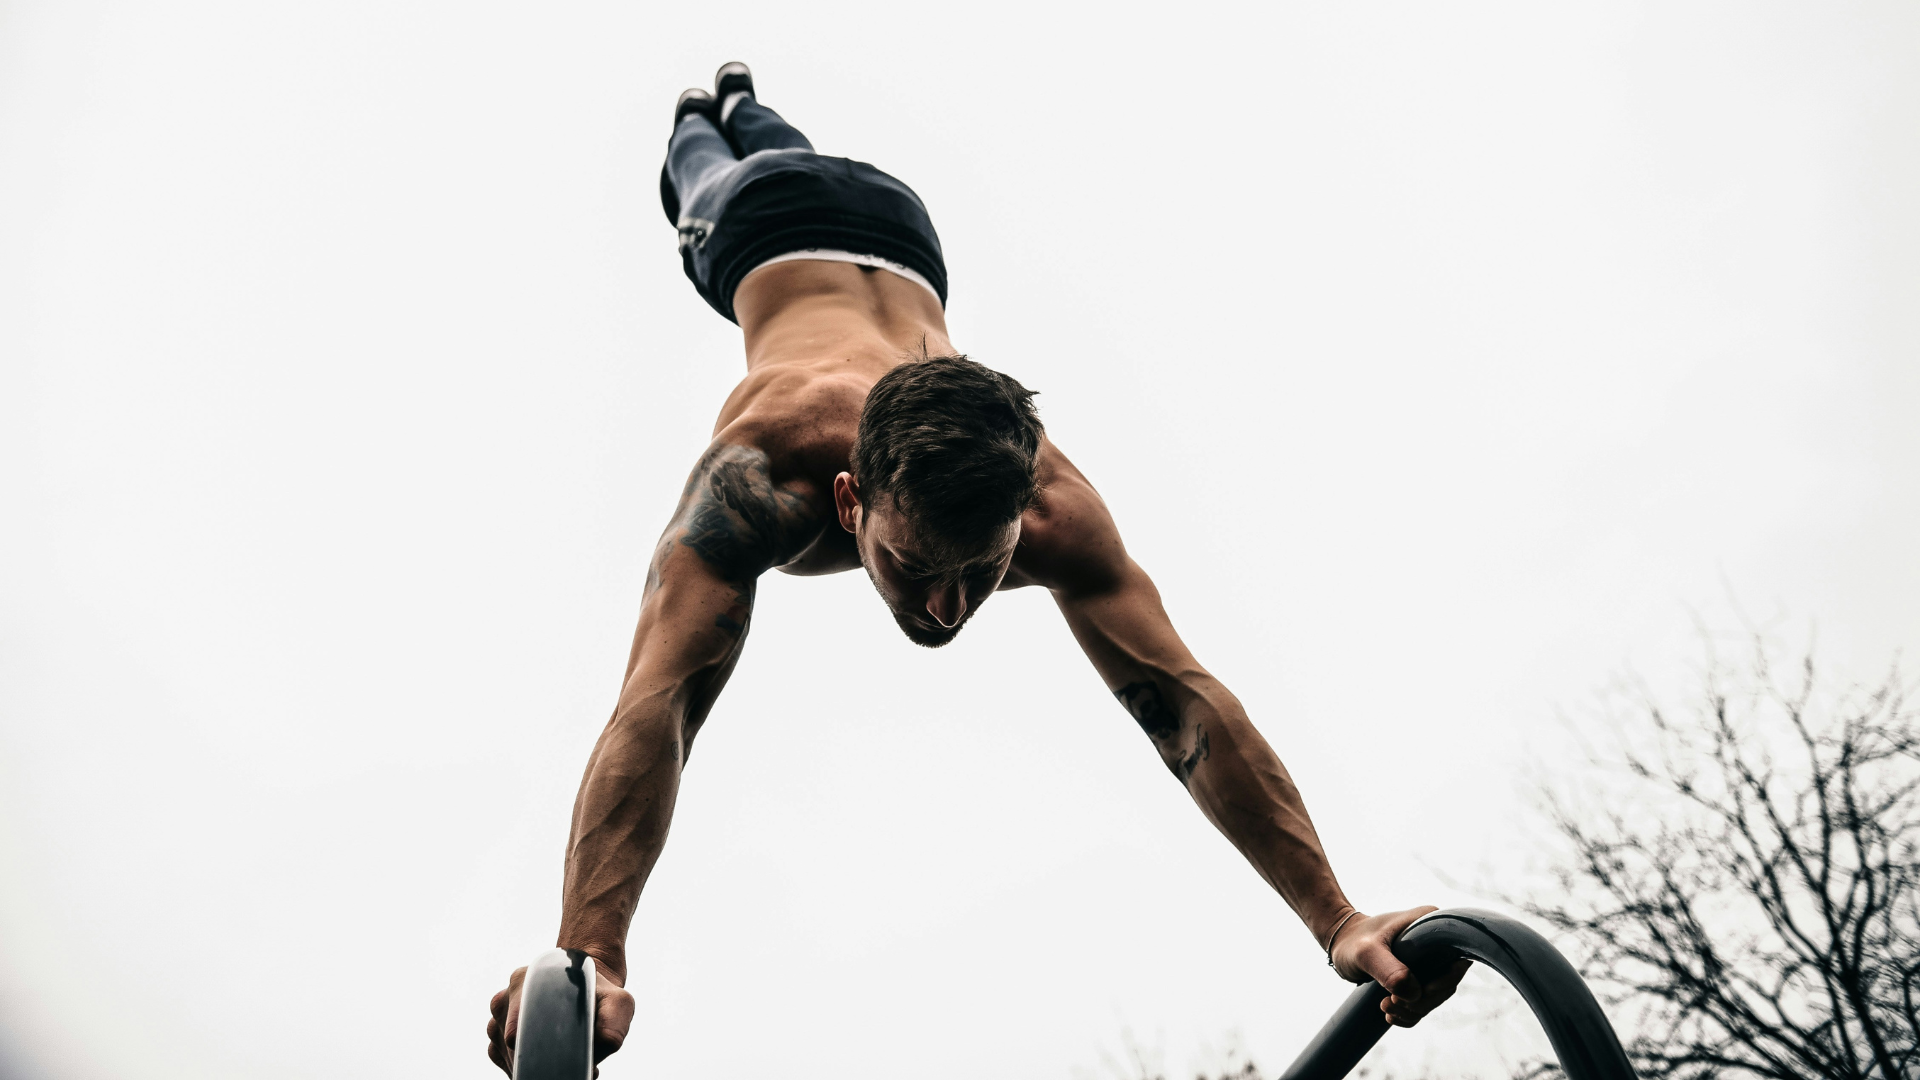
{"type": "Point", "coordinates": [1560, 1000]}
{"type": "Point", "coordinates": [554, 1037]}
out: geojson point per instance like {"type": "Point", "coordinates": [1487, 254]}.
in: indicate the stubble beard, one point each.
{"type": "Point", "coordinates": [917, 632]}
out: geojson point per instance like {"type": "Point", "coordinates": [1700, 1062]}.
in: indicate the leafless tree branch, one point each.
{"type": "Point", "coordinates": [1749, 898]}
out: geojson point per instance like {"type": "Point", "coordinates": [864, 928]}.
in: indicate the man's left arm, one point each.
{"type": "Point", "coordinates": [1208, 743]}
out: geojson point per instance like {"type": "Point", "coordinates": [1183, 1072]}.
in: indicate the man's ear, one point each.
{"type": "Point", "coordinates": [846, 501]}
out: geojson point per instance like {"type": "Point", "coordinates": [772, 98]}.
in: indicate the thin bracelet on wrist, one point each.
{"type": "Point", "coordinates": [1337, 927]}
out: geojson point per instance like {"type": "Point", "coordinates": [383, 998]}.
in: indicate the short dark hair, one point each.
{"type": "Point", "coordinates": [953, 443]}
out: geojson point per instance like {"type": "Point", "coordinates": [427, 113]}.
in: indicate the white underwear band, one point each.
{"type": "Point", "coordinates": [875, 261]}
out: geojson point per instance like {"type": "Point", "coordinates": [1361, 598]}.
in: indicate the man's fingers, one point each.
{"type": "Point", "coordinates": [607, 1040]}
{"type": "Point", "coordinates": [1378, 961]}
{"type": "Point", "coordinates": [510, 1027]}
{"type": "Point", "coordinates": [1404, 1012]}
{"type": "Point", "coordinates": [1408, 1013]}
{"type": "Point", "coordinates": [613, 1015]}
{"type": "Point", "coordinates": [497, 1051]}
{"type": "Point", "coordinates": [1450, 978]}
{"type": "Point", "coordinates": [504, 1008]}
{"type": "Point", "coordinates": [609, 1034]}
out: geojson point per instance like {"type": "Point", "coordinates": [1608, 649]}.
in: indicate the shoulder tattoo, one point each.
{"type": "Point", "coordinates": [735, 517]}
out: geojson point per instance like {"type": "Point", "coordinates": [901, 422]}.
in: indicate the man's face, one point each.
{"type": "Point", "coordinates": [931, 597]}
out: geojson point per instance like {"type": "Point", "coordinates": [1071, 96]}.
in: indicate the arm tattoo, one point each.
{"type": "Point", "coordinates": [734, 620]}
{"type": "Point", "coordinates": [1201, 751]}
{"type": "Point", "coordinates": [1142, 700]}
{"type": "Point", "coordinates": [734, 515]}
{"type": "Point", "coordinates": [1162, 724]}
{"type": "Point", "coordinates": [736, 519]}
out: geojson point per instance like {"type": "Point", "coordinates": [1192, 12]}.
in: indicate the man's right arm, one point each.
{"type": "Point", "coordinates": [733, 523]}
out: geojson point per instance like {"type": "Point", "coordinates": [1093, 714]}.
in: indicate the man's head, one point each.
{"type": "Point", "coordinates": [942, 469]}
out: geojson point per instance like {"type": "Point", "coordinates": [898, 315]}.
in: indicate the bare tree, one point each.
{"type": "Point", "coordinates": [1747, 892]}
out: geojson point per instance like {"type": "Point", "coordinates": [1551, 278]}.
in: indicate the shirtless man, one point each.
{"type": "Point", "coordinates": [860, 439]}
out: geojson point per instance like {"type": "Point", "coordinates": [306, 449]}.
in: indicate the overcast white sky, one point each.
{"type": "Point", "coordinates": [1438, 360]}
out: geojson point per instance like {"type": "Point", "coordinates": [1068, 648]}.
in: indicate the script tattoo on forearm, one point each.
{"type": "Point", "coordinates": [1149, 709]}
{"type": "Point", "coordinates": [736, 519]}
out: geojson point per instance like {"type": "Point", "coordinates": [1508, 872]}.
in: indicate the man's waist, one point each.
{"type": "Point", "coordinates": [861, 259]}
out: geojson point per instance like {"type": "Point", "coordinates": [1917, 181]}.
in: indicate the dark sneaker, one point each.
{"type": "Point", "coordinates": [692, 101]}
{"type": "Point", "coordinates": [731, 79]}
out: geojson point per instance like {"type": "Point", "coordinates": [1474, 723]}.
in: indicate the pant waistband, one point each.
{"type": "Point", "coordinates": [875, 261]}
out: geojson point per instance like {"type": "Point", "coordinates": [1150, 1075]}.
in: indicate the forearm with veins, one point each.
{"type": "Point", "coordinates": [1239, 783]}
{"type": "Point", "coordinates": [620, 822]}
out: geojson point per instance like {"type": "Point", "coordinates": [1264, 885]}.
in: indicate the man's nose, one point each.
{"type": "Point", "coordinates": [946, 604]}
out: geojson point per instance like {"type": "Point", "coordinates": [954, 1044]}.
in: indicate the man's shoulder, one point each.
{"type": "Point", "coordinates": [1068, 539]}
{"type": "Point", "coordinates": [743, 516]}
{"type": "Point", "coordinates": [767, 475]}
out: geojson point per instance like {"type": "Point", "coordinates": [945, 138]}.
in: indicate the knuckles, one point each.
{"type": "Point", "coordinates": [501, 1022]}
{"type": "Point", "coordinates": [615, 1008]}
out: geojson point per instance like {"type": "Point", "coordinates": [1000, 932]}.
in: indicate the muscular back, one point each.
{"type": "Point", "coordinates": [818, 336]}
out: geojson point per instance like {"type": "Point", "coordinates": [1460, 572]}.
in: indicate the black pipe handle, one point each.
{"type": "Point", "coordinates": [554, 1037]}
{"type": "Point", "coordinates": [1575, 1025]}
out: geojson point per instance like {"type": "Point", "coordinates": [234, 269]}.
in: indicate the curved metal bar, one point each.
{"type": "Point", "coordinates": [1575, 1025]}
{"type": "Point", "coordinates": [554, 1037]}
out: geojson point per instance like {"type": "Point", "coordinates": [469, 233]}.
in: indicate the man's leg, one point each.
{"type": "Point", "coordinates": [695, 155]}
{"type": "Point", "coordinates": [755, 127]}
